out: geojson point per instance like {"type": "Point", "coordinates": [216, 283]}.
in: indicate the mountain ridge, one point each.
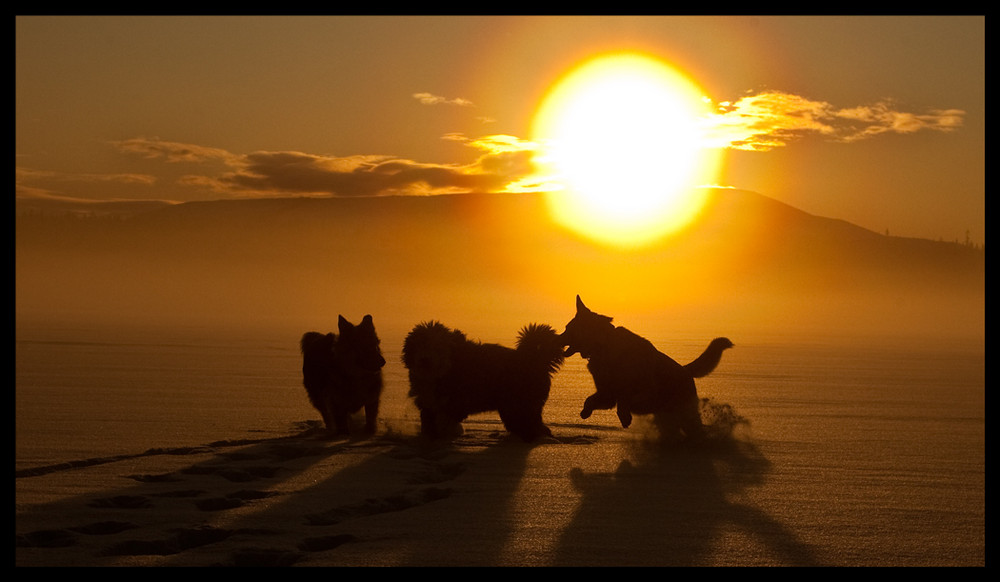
{"type": "Point", "coordinates": [46, 208]}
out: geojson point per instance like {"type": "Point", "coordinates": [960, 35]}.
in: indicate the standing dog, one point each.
{"type": "Point", "coordinates": [630, 373]}
{"type": "Point", "coordinates": [452, 377]}
{"type": "Point", "coordinates": [343, 374]}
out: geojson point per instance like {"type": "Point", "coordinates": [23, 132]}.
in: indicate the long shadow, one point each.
{"type": "Point", "coordinates": [480, 521]}
{"type": "Point", "coordinates": [378, 511]}
{"type": "Point", "coordinates": [166, 513]}
{"type": "Point", "coordinates": [231, 510]}
{"type": "Point", "coordinates": [668, 506]}
{"type": "Point", "coordinates": [665, 506]}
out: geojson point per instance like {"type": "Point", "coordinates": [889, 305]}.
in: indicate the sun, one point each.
{"type": "Point", "coordinates": [623, 141]}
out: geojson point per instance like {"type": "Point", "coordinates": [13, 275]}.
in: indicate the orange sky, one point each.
{"type": "Point", "coordinates": [876, 120]}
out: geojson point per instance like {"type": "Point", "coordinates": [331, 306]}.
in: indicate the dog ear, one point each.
{"type": "Point", "coordinates": [580, 307]}
{"type": "Point", "coordinates": [343, 324]}
{"type": "Point", "coordinates": [367, 322]}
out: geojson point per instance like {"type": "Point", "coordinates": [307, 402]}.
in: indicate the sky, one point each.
{"type": "Point", "coordinates": [879, 121]}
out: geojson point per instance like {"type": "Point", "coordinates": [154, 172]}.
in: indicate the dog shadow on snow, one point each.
{"type": "Point", "coordinates": [229, 507]}
{"type": "Point", "coordinates": [668, 504]}
{"type": "Point", "coordinates": [379, 511]}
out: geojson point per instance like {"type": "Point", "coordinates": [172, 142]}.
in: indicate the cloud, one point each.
{"type": "Point", "coordinates": [173, 151]}
{"type": "Point", "coordinates": [504, 165]}
{"type": "Point", "coordinates": [771, 119]}
{"type": "Point", "coordinates": [30, 174]}
{"type": "Point", "coordinates": [34, 183]}
{"type": "Point", "coordinates": [431, 99]}
{"type": "Point", "coordinates": [881, 118]}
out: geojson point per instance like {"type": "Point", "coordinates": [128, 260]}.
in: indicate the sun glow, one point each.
{"type": "Point", "coordinates": [623, 139]}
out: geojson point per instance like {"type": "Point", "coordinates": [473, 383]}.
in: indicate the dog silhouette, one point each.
{"type": "Point", "coordinates": [343, 374]}
{"type": "Point", "coordinates": [630, 374]}
{"type": "Point", "coordinates": [452, 377]}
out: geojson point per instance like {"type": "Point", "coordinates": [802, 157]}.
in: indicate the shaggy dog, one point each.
{"type": "Point", "coordinates": [452, 377]}
{"type": "Point", "coordinates": [631, 373]}
{"type": "Point", "coordinates": [343, 374]}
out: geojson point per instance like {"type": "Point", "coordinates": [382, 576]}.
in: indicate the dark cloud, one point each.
{"type": "Point", "coordinates": [172, 151]}
{"type": "Point", "coordinates": [504, 162]}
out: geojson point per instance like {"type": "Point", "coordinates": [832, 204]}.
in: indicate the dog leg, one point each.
{"type": "Point", "coordinates": [624, 415]}
{"type": "Point", "coordinates": [527, 425]}
{"type": "Point", "coordinates": [691, 421]}
{"type": "Point", "coordinates": [448, 428]}
{"type": "Point", "coordinates": [428, 424]}
{"type": "Point", "coordinates": [596, 401]}
{"type": "Point", "coordinates": [438, 425]}
{"type": "Point", "coordinates": [326, 409]}
{"type": "Point", "coordinates": [681, 423]}
{"type": "Point", "coordinates": [328, 422]}
{"type": "Point", "coordinates": [342, 421]}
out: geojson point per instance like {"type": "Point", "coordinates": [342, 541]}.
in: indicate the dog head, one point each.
{"type": "Point", "coordinates": [358, 345]}
{"type": "Point", "coordinates": [586, 332]}
{"type": "Point", "coordinates": [429, 348]}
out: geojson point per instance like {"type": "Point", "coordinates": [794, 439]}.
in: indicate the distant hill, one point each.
{"type": "Point", "coordinates": [61, 207]}
{"type": "Point", "coordinates": [293, 255]}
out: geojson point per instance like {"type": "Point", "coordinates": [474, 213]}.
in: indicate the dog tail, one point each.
{"type": "Point", "coordinates": [704, 364]}
{"type": "Point", "coordinates": [317, 364]}
{"type": "Point", "coordinates": [541, 342]}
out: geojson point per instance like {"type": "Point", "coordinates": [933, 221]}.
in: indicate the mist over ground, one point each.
{"type": "Point", "coordinates": [490, 262]}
